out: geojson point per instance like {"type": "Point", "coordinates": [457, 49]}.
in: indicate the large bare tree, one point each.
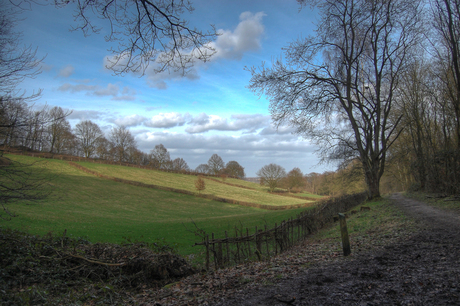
{"type": "Point", "coordinates": [446, 15]}
{"type": "Point", "coordinates": [338, 87]}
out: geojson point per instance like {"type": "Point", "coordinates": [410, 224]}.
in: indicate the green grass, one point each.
{"type": "Point", "coordinates": [106, 211]}
{"type": "Point", "coordinates": [444, 203]}
{"type": "Point", "coordinates": [383, 219]}
{"type": "Point", "coordinates": [187, 182]}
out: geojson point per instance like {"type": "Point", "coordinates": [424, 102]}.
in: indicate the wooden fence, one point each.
{"type": "Point", "coordinates": [244, 245]}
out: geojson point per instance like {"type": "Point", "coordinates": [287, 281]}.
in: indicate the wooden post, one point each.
{"type": "Point", "coordinates": [276, 239]}
{"type": "Point", "coordinates": [345, 239]}
{"type": "Point", "coordinates": [207, 252]}
{"type": "Point", "coordinates": [228, 253]}
{"type": "Point", "coordinates": [249, 246]}
{"type": "Point", "coordinates": [237, 259]}
{"type": "Point", "coordinates": [266, 241]}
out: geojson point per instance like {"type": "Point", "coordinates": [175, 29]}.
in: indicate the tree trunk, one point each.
{"type": "Point", "coordinates": [372, 180]}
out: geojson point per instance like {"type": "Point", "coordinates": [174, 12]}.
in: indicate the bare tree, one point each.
{"type": "Point", "coordinates": [179, 164]}
{"type": "Point", "coordinates": [159, 157]}
{"type": "Point", "coordinates": [294, 179]}
{"type": "Point", "coordinates": [88, 135]}
{"type": "Point", "coordinates": [216, 164]}
{"type": "Point", "coordinates": [122, 141]}
{"type": "Point", "coordinates": [103, 147]}
{"type": "Point", "coordinates": [58, 129]}
{"type": "Point", "coordinates": [447, 25]}
{"type": "Point", "coordinates": [203, 168]}
{"type": "Point", "coordinates": [233, 168]}
{"type": "Point", "coordinates": [338, 87]}
{"type": "Point", "coordinates": [271, 175]}
{"type": "Point", "coordinates": [18, 181]}
{"type": "Point", "coordinates": [146, 32]}
{"type": "Point", "coordinates": [17, 62]}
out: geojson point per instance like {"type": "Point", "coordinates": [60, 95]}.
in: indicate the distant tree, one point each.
{"type": "Point", "coordinates": [294, 179]}
{"type": "Point", "coordinates": [14, 119]}
{"type": "Point", "coordinates": [234, 169]}
{"type": "Point", "coordinates": [312, 182]}
{"type": "Point", "coordinates": [103, 147]}
{"type": "Point", "coordinates": [122, 141]}
{"type": "Point", "coordinates": [88, 135]}
{"type": "Point", "coordinates": [216, 164]}
{"type": "Point", "coordinates": [203, 168]}
{"type": "Point", "coordinates": [271, 175]}
{"type": "Point", "coordinates": [160, 158]}
{"type": "Point", "coordinates": [59, 133]}
{"type": "Point", "coordinates": [200, 185]}
{"type": "Point", "coordinates": [180, 165]}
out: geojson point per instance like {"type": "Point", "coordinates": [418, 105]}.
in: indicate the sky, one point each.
{"type": "Point", "coordinates": [209, 111]}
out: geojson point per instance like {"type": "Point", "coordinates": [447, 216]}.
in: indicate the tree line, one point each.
{"type": "Point", "coordinates": [348, 180]}
{"type": "Point", "coordinates": [48, 130]}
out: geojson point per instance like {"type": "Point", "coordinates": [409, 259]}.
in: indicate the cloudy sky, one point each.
{"type": "Point", "coordinates": [208, 111]}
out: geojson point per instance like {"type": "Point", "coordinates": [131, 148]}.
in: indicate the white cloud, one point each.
{"type": "Point", "coordinates": [131, 120]}
{"type": "Point", "coordinates": [246, 37]}
{"type": "Point", "coordinates": [250, 123]}
{"type": "Point", "coordinates": [232, 45]}
{"type": "Point", "coordinates": [168, 120]}
{"type": "Point", "coordinates": [111, 90]}
{"type": "Point", "coordinates": [66, 71]}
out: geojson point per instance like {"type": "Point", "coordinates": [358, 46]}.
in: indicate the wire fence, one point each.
{"type": "Point", "coordinates": [244, 245]}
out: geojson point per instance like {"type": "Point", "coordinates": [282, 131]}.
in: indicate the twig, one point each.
{"type": "Point", "coordinates": [97, 262]}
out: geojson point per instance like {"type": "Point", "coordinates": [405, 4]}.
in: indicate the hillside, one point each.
{"type": "Point", "coordinates": [103, 210]}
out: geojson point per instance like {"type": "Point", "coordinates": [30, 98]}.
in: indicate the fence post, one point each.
{"type": "Point", "coordinates": [228, 253]}
{"type": "Point", "coordinates": [207, 252]}
{"type": "Point", "coordinates": [249, 245]}
{"type": "Point", "coordinates": [237, 246]}
{"type": "Point", "coordinates": [276, 239]}
{"type": "Point", "coordinates": [266, 241]}
{"type": "Point", "coordinates": [344, 231]}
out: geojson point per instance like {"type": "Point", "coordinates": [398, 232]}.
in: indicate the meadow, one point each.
{"type": "Point", "coordinates": [256, 194]}
{"type": "Point", "coordinates": [103, 210]}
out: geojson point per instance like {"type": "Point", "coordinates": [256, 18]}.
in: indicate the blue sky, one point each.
{"type": "Point", "coordinates": [209, 111]}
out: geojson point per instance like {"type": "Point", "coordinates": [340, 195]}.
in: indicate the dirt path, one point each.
{"type": "Point", "coordinates": [423, 270]}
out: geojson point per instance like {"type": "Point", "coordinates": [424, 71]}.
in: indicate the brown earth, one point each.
{"type": "Point", "coordinates": [421, 270]}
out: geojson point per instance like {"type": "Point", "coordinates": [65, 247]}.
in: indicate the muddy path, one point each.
{"type": "Point", "coordinates": [422, 270]}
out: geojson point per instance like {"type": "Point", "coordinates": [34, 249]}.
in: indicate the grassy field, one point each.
{"type": "Point", "coordinates": [106, 211]}
{"type": "Point", "coordinates": [187, 182]}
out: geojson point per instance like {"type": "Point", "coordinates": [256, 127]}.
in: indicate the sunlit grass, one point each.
{"type": "Point", "coordinates": [106, 211]}
{"type": "Point", "coordinates": [187, 182]}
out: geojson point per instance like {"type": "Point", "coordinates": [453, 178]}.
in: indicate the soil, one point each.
{"type": "Point", "coordinates": [423, 269]}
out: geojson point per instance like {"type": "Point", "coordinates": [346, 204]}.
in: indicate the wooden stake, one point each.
{"type": "Point", "coordinates": [345, 239]}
